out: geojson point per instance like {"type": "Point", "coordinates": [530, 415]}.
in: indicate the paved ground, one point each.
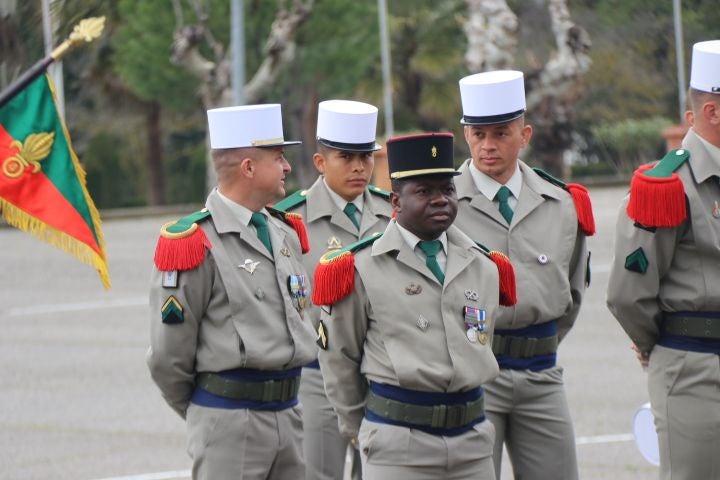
{"type": "Point", "coordinates": [76, 401]}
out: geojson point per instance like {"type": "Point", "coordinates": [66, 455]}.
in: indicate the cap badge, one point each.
{"type": "Point", "coordinates": [433, 151]}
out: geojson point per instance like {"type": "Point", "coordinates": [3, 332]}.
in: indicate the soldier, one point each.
{"type": "Point", "coordinates": [228, 331]}
{"type": "Point", "coordinates": [339, 208]}
{"type": "Point", "coordinates": [531, 217]}
{"type": "Point", "coordinates": [663, 286]}
{"type": "Point", "coordinates": [406, 327]}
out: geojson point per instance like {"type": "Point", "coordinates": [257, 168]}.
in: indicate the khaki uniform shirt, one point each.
{"type": "Point", "coordinates": [329, 228]}
{"type": "Point", "coordinates": [233, 317]}
{"type": "Point", "coordinates": [401, 327]}
{"type": "Point", "coordinates": [544, 243]}
{"type": "Point", "coordinates": [683, 262]}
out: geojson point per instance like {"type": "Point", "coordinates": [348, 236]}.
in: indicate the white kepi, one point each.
{"type": "Point", "coordinates": [246, 126]}
{"type": "Point", "coordinates": [492, 97]}
{"type": "Point", "coordinates": [347, 125]}
{"type": "Point", "coordinates": [705, 71]}
{"type": "Point", "coordinates": [646, 437]}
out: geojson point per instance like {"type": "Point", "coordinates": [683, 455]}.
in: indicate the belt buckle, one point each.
{"type": "Point", "coordinates": [268, 387]}
{"type": "Point", "coordinates": [439, 415]}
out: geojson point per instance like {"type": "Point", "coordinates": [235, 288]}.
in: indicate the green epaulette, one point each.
{"type": "Point", "coordinates": [580, 197]}
{"type": "Point", "coordinates": [182, 243]}
{"type": "Point", "coordinates": [292, 201]}
{"type": "Point", "coordinates": [379, 192]}
{"type": "Point", "coordinates": [335, 272]}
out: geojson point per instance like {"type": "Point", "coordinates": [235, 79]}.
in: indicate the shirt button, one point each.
{"type": "Point", "coordinates": [542, 259]}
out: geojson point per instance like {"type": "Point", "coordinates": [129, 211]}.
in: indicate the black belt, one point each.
{"type": "Point", "coordinates": [433, 416]}
{"type": "Point", "coordinates": [277, 390]}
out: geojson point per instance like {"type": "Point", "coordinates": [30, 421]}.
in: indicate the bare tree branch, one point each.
{"type": "Point", "coordinates": [215, 74]}
{"type": "Point", "coordinates": [491, 29]}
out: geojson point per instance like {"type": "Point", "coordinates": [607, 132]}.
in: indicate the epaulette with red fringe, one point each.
{"type": "Point", "coordinates": [295, 220]}
{"type": "Point", "coordinates": [581, 199]}
{"type": "Point", "coordinates": [657, 194]}
{"type": "Point", "coordinates": [182, 243]}
{"type": "Point", "coordinates": [506, 274]}
{"type": "Point", "coordinates": [335, 272]}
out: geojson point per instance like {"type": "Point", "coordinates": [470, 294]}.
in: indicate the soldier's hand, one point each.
{"type": "Point", "coordinates": [642, 358]}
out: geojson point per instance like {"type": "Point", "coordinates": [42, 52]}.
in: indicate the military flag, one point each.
{"type": "Point", "coordinates": [42, 184]}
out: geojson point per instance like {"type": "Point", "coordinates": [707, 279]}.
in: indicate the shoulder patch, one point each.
{"type": "Point", "coordinates": [295, 220]}
{"type": "Point", "coordinates": [506, 274]}
{"type": "Point", "coordinates": [637, 261]}
{"type": "Point", "coordinates": [657, 195]}
{"type": "Point", "coordinates": [379, 192]}
{"type": "Point", "coordinates": [580, 197]}
{"type": "Point", "coordinates": [292, 201]}
{"type": "Point", "coordinates": [335, 272]}
{"type": "Point", "coordinates": [182, 243]}
{"type": "Point", "coordinates": [172, 311]}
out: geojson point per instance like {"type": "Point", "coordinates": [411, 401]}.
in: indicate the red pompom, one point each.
{"type": "Point", "coordinates": [583, 207]}
{"type": "Point", "coordinates": [656, 201]}
{"type": "Point", "coordinates": [181, 251]}
{"type": "Point", "coordinates": [506, 272]}
{"type": "Point", "coordinates": [334, 278]}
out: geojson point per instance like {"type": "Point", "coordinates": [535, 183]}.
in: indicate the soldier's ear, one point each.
{"type": "Point", "coordinates": [247, 167]}
{"type": "Point", "coordinates": [319, 162]}
{"type": "Point", "coordinates": [395, 201]}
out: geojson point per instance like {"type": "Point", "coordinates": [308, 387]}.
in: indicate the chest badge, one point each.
{"type": "Point", "coordinates": [422, 323]}
{"type": "Point", "coordinates": [285, 252]}
{"type": "Point", "coordinates": [472, 295]}
{"type": "Point", "coordinates": [249, 266]}
{"type": "Point", "coordinates": [413, 289]}
{"type": "Point", "coordinates": [333, 243]}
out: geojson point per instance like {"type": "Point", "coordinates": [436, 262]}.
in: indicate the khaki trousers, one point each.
{"type": "Point", "coordinates": [390, 452]}
{"type": "Point", "coordinates": [241, 444]}
{"type": "Point", "coordinates": [325, 449]}
{"type": "Point", "coordinates": [684, 392]}
{"type": "Point", "coordinates": [532, 418]}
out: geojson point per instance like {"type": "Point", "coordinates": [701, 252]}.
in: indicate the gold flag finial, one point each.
{"type": "Point", "coordinates": [86, 31]}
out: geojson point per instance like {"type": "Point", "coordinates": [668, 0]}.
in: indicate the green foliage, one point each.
{"type": "Point", "coordinates": [185, 169]}
{"type": "Point", "coordinates": [628, 143]}
{"type": "Point", "coordinates": [141, 57]}
{"type": "Point", "coordinates": [112, 180]}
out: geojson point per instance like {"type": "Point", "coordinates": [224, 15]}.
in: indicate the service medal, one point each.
{"type": "Point", "coordinates": [472, 335]}
{"type": "Point", "coordinates": [298, 289]}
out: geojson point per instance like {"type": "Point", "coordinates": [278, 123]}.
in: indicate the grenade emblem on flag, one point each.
{"type": "Point", "coordinates": [37, 146]}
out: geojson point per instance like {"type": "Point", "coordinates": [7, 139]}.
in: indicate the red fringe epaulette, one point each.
{"type": "Point", "coordinates": [295, 220]}
{"type": "Point", "coordinates": [335, 272]}
{"type": "Point", "coordinates": [657, 194]}
{"type": "Point", "coordinates": [506, 273]}
{"type": "Point", "coordinates": [583, 207]}
{"type": "Point", "coordinates": [182, 244]}
{"type": "Point", "coordinates": [581, 199]}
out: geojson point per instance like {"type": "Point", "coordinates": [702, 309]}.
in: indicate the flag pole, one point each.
{"type": "Point", "coordinates": [86, 31]}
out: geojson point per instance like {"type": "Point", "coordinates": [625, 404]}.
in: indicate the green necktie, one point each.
{"type": "Point", "coordinates": [350, 210]}
{"type": "Point", "coordinates": [431, 249]}
{"type": "Point", "coordinates": [261, 226]}
{"type": "Point", "coordinates": [502, 196]}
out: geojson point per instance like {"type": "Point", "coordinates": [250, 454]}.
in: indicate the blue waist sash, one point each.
{"type": "Point", "coordinates": [536, 362]}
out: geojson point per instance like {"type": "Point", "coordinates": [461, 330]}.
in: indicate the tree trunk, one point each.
{"type": "Point", "coordinates": [156, 175]}
{"type": "Point", "coordinates": [551, 90]}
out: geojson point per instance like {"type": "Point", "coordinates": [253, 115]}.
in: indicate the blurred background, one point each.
{"type": "Point", "coordinates": [601, 75]}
